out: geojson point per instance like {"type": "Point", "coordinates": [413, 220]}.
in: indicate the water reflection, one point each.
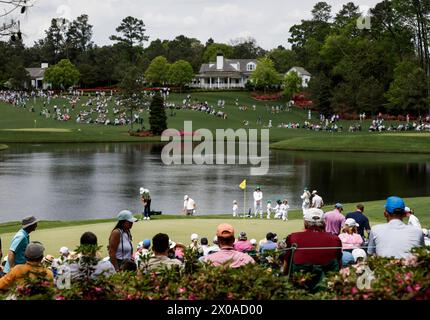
{"type": "Point", "coordinates": [90, 181]}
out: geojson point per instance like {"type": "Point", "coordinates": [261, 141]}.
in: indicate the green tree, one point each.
{"type": "Point", "coordinates": [320, 90]}
{"type": "Point", "coordinates": [184, 48]}
{"type": "Point", "coordinates": [408, 92]}
{"type": "Point", "coordinates": [62, 75]}
{"type": "Point", "coordinates": [284, 59]}
{"type": "Point", "coordinates": [246, 48]}
{"type": "Point", "coordinates": [157, 72]}
{"type": "Point", "coordinates": [265, 74]}
{"type": "Point", "coordinates": [132, 97]}
{"type": "Point", "coordinates": [213, 49]}
{"type": "Point", "coordinates": [132, 30]}
{"type": "Point", "coordinates": [78, 36]}
{"type": "Point", "coordinates": [292, 84]}
{"type": "Point", "coordinates": [180, 73]}
{"type": "Point", "coordinates": [157, 115]}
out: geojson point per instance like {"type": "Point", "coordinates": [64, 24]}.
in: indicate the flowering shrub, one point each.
{"type": "Point", "coordinates": [403, 279]}
{"type": "Point", "coordinates": [392, 280]}
{"type": "Point", "coordinates": [266, 96]}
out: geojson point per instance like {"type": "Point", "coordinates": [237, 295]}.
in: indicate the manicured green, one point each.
{"type": "Point", "coordinates": [54, 234]}
{"type": "Point", "coordinates": [384, 143]}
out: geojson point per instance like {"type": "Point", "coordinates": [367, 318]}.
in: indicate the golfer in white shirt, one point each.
{"type": "Point", "coordinates": [189, 206]}
{"type": "Point", "coordinates": [258, 202]}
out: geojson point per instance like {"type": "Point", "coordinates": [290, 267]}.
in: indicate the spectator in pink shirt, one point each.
{"type": "Point", "coordinates": [243, 244]}
{"type": "Point", "coordinates": [334, 220]}
{"type": "Point", "coordinates": [227, 255]}
{"type": "Point", "coordinates": [350, 240]}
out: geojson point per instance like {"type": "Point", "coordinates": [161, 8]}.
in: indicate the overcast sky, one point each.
{"type": "Point", "coordinates": [268, 21]}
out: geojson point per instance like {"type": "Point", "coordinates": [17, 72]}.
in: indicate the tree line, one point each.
{"type": "Point", "coordinates": [384, 68]}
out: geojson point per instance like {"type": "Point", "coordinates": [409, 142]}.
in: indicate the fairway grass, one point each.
{"type": "Point", "coordinates": [55, 234]}
{"type": "Point", "coordinates": [38, 130]}
{"type": "Point", "coordinates": [373, 142]}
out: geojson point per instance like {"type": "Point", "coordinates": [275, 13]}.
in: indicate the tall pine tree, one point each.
{"type": "Point", "coordinates": [157, 115]}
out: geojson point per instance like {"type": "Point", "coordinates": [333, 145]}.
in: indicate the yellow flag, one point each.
{"type": "Point", "coordinates": [243, 185]}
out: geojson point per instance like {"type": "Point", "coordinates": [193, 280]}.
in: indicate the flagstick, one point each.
{"type": "Point", "coordinates": [244, 202]}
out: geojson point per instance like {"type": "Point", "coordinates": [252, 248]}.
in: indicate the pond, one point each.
{"type": "Point", "coordinates": [89, 181]}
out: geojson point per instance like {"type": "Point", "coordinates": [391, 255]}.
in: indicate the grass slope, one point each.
{"type": "Point", "coordinates": [54, 234]}
{"type": "Point", "coordinates": [25, 129]}
{"type": "Point", "coordinates": [386, 143]}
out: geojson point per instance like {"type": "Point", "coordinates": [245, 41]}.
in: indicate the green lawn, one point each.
{"type": "Point", "coordinates": [376, 142]}
{"type": "Point", "coordinates": [54, 234]}
{"type": "Point", "coordinates": [19, 125]}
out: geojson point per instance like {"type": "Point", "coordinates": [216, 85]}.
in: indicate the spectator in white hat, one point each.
{"type": "Point", "coordinates": [64, 255]}
{"type": "Point", "coordinates": [350, 240]}
{"type": "Point", "coordinates": [359, 255]}
{"type": "Point", "coordinates": [315, 261]}
{"type": "Point", "coordinates": [413, 220]}
{"type": "Point", "coordinates": [195, 242]}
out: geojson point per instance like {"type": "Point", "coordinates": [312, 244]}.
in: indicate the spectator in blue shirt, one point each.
{"type": "Point", "coordinates": [270, 243]}
{"type": "Point", "coordinates": [361, 219]}
{"type": "Point", "coordinates": [20, 241]}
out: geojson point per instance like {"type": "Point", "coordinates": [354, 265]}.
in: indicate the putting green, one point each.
{"type": "Point", "coordinates": [179, 230]}
{"type": "Point", "coordinates": [39, 130]}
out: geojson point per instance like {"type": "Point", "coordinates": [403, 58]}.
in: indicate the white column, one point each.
{"type": "Point", "coordinates": [228, 82]}
{"type": "Point", "coordinates": [210, 82]}
{"type": "Point", "coordinates": [218, 82]}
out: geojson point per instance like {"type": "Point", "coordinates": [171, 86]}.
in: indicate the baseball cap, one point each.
{"type": "Point", "coordinates": [142, 190]}
{"type": "Point", "coordinates": [351, 223]}
{"type": "Point", "coordinates": [253, 241]}
{"type": "Point", "coordinates": [224, 230]}
{"type": "Point", "coordinates": [407, 209]}
{"type": "Point", "coordinates": [338, 205]}
{"type": "Point", "coordinates": [172, 244]}
{"type": "Point", "coordinates": [185, 197]}
{"type": "Point", "coordinates": [146, 243]}
{"type": "Point", "coordinates": [394, 203]}
{"type": "Point", "coordinates": [34, 251]}
{"type": "Point", "coordinates": [314, 192]}
{"type": "Point", "coordinates": [28, 221]}
{"type": "Point", "coordinates": [314, 215]}
{"type": "Point", "coordinates": [242, 235]}
{"type": "Point", "coordinates": [126, 215]}
{"type": "Point", "coordinates": [359, 253]}
{"type": "Point", "coordinates": [194, 236]}
{"type": "Point", "coordinates": [64, 250]}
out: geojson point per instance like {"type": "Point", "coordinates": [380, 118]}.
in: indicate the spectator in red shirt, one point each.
{"type": "Point", "coordinates": [316, 261]}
